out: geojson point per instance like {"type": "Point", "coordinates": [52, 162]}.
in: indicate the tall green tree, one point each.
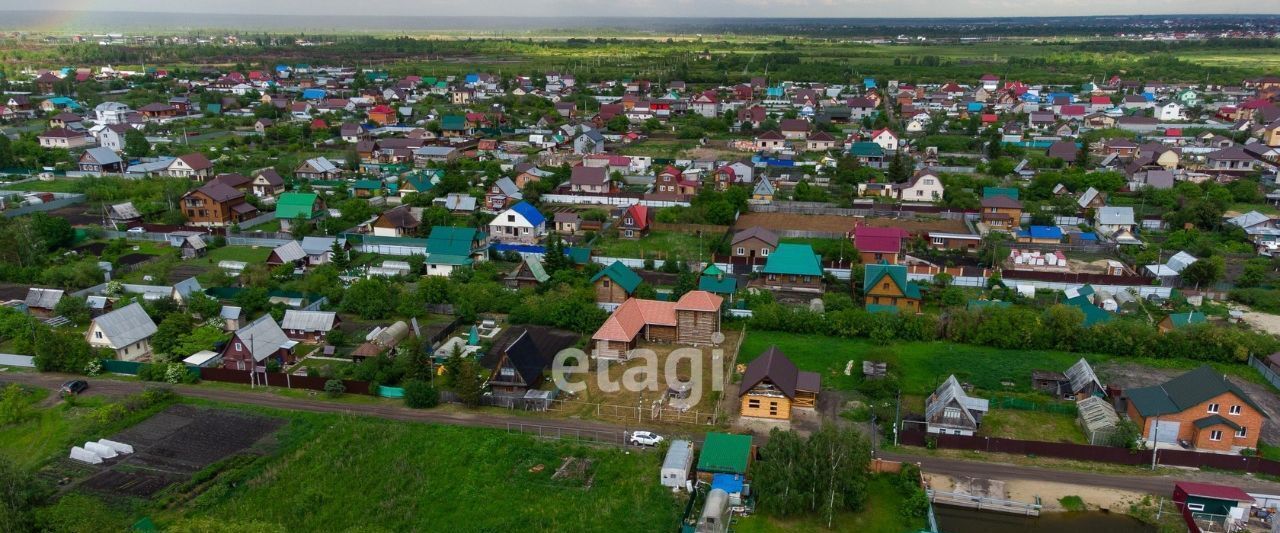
{"type": "Point", "coordinates": [136, 144]}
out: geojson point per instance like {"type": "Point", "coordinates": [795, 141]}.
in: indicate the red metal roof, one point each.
{"type": "Point", "coordinates": [1207, 490]}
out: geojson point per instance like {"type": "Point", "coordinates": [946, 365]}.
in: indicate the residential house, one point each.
{"type": "Point", "coordinates": [1234, 159]}
{"type": "Point", "coordinates": [770, 141]}
{"type": "Point", "coordinates": [1001, 212]}
{"type": "Point", "coordinates": [308, 326]}
{"type": "Point", "coordinates": [951, 411]}
{"type": "Point", "coordinates": [635, 222]}
{"type": "Point", "coordinates": [317, 168]}
{"type": "Point", "coordinates": [453, 247]}
{"type": "Point", "coordinates": [590, 180]}
{"type": "Point", "coordinates": [1181, 320]}
{"type": "Point", "coordinates": [885, 139]}
{"type": "Point", "coordinates": [112, 136]}
{"type": "Point", "coordinates": [319, 249]}
{"type": "Point", "coordinates": [1114, 220]}
{"type": "Point", "coordinates": [294, 206]}
{"type": "Point", "coordinates": [886, 286]}
{"type": "Point", "coordinates": [435, 154]}
{"type": "Point", "coordinates": [1202, 408]}
{"type": "Point", "coordinates": [216, 205]}
{"type": "Point", "coordinates": [63, 138]}
{"type": "Point", "coordinates": [193, 165]}
{"type": "Point", "coordinates": [753, 242]}
{"type": "Point", "coordinates": [256, 344]}
{"type": "Point", "coordinates": [101, 161]}
{"type": "Point", "coordinates": [521, 223]}
{"type": "Point", "coordinates": [1039, 235]}
{"type": "Point", "coordinates": [289, 253]}
{"type": "Point", "coordinates": [879, 245]}
{"type": "Point", "coordinates": [763, 191]}
{"type": "Point", "coordinates": [268, 184]}
{"type": "Point", "coordinates": [772, 386]}
{"type": "Point", "coordinates": [520, 358]}
{"type": "Point", "coordinates": [671, 181]}
{"type": "Point", "coordinates": [615, 283]}
{"type": "Point", "coordinates": [924, 186]}
{"type": "Point", "coordinates": [794, 129]}
{"type": "Point", "coordinates": [401, 221]}
{"type": "Point", "coordinates": [694, 319]}
{"type": "Point", "coordinates": [567, 222]}
{"type": "Point", "coordinates": [127, 331]}
{"type": "Point", "coordinates": [589, 142]}
{"type": "Point", "coordinates": [792, 267]}
{"type": "Point", "coordinates": [42, 302]}
{"type": "Point", "coordinates": [528, 273]}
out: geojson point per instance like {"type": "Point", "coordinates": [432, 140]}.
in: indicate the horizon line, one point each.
{"type": "Point", "coordinates": [606, 16]}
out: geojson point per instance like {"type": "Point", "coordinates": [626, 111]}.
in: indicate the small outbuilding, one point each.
{"type": "Point", "coordinates": [676, 466]}
{"type": "Point", "coordinates": [1097, 418]}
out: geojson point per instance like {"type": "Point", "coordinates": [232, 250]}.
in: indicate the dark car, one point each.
{"type": "Point", "coordinates": [73, 387]}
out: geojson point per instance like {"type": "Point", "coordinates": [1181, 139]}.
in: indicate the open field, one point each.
{"type": "Point", "coordinates": [659, 245]}
{"type": "Point", "coordinates": [1032, 425]}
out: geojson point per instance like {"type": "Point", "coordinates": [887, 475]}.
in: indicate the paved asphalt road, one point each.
{"type": "Point", "coordinates": [1154, 484]}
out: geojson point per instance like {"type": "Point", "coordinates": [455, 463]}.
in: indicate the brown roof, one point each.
{"type": "Point", "coordinates": [232, 180]}
{"type": "Point", "coordinates": [589, 176]}
{"type": "Point", "coordinates": [219, 192]}
{"type": "Point", "coordinates": [774, 366]}
{"type": "Point", "coordinates": [61, 133]}
{"type": "Point", "coordinates": [196, 160]}
{"type": "Point", "coordinates": [273, 178]}
{"type": "Point", "coordinates": [400, 217]}
{"type": "Point", "coordinates": [758, 232]}
{"type": "Point", "coordinates": [1001, 201]}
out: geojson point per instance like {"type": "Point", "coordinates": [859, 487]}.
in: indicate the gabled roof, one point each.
{"type": "Point", "coordinates": [756, 232]}
{"type": "Point", "coordinates": [126, 325]}
{"type": "Point", "coordinates": [1186, 391]}
{"type": "Point", "coordinates": [1081, 375]}
{"type": "Point", "coordinates": [292, 204]}
{"type": "Point", "coordinates": [38, 298]}
{"type": "Point", "coordinates": [299, 320]}
{"type": "Point", "coordinates": [1216, 492]}
{"type": "Point", "coordinates": [898, 273]}
{"type": "Point", "coordinates": [774, 366]}
{"type": "Point", "coordinates": [532, 351]}
{"type": "Point", "coordinates": [289, 252]}
{"type": "Point", "coordinates": [793, 259]}
{"type": "Point", "coordinates": [535, 267]}
{"type": "Point", "coordinates": [1087, 197]}
{"type": "Point", "coordinates": [263, 337]}
{"type": "Point", "coordinates": [1179, 320]}
{"type": "Point", "coordinates": [632, 316]}
{"type": "Point", "coordinates": [763, 187]}
{"type": "Point", "coordinates": [1002, 202]}
{"type": "Point", "coordinates": [448, 240]}
{"type": "Point", "coordinates": [879, 240]}
{"type": "Point", "coordinates": [1118, 216]}
{"type": "Point", "coordinates": [621, 275]}
{"type": "Point", "coordinates": [102, 156]}
{"type": "Point", "coordinates": [530, 213]}
{"type": "Point", "coordinates": [699, 301]}
{"type": "Point", "coordinates": [220, 192]}
{"type": "Point", "coordinates": [951, 390]}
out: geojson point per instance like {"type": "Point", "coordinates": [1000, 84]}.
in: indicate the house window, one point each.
{"type": "Point", "coordinates": [742, 251]}
{"type": "Point", "coordinates": [764, 251]}
{"type": "Point", "coordinates": [1215, 435]}
{"type": "Point", "coordinates": [1195, 506]}
{"type": "Point", "coordinates": [753, 404]}
{"type": "Point", "coordinates": [511, 218]}
{"type": "Point", "coordinates": [886, 286]}
{"type": "Point", "coordinates": [629, 233]}
{"type": "Point", "coordinates": [951, 413]}
{"type": "Point", "coordinates": [507, 372]}
{"type": "Point", "coordinates": [1213, 408]}
{"type": "Point", "coordinates": [628, 221]}
{"type": "Point", "coordinates": [1240, 433]}
{"type": "Point", "coordinates": [939, 241]}
{"type": "Point", "coordinates": [97, 334]}
{"type": "Point", "coordinates": [239, 347]}
{"type": "Point", "coordinates": [1235, 410]}
{"type": "Point", "coordinates": [605, 283]}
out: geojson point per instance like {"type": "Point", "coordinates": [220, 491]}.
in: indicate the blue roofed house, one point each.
{"type": "Point", "coordinates": [522, 223]}
{"type": "Point", "coordinates": [451, 247]}
{"type": "Point", "coordinates": [1040, 235]}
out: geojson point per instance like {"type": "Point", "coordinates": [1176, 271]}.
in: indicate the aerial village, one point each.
{"type": "Point", "coordinates": [1079, 272]}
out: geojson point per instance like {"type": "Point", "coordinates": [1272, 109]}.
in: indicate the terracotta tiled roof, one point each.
{"type": "Point", "coordinates": [699, 301]}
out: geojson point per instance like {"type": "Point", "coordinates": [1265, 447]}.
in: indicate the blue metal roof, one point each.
{"type": "Point", "coordinates": [530, 213]}
{"type": "Point", "coordinates": [1042, 232]}
{"type": "Point", "coordinates": [730, 483]}
{"type": "Point", "coordinates": [975, 106]}
{"type": "Point", "coordinates": [313, 94]}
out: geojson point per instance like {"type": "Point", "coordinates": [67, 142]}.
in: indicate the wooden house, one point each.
{"type": "Point", "coordinates": [951, 411]}
{"type": "Point", "coordinates": [615, 283]}
{"type": "Point", "coordinates": [792, 267]}
{"type": "Point", "coordinates": [256, 343]}
{"type": "Point", "coordinates": [772, 386]}
{"type": "Point", "coordinates": [887, 285]}
{"type": "Point", "coordinates": [635, 222]}
{"type": "Point", "coordinates": [694, 319]}
{"type": "Point", "coordinates": [521, 356]}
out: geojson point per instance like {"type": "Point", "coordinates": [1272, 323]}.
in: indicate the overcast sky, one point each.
{"type": "Point", "coordinates": [671, 8]}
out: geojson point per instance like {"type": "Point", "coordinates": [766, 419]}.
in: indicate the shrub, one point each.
{"type": "Point", "coordinates": [420, 395]}
{"type": "Point", "coordinates": [334, 388]}
{"type": "Point", "coordinates": [93, 368]}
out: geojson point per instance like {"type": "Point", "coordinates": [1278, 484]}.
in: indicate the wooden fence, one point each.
{"type": "Point", "coordinates": [278, 379]}
{"type": "Point", "coordinates": [1085, 452]}
{"type": "Point", "coordinates": [709, 230]}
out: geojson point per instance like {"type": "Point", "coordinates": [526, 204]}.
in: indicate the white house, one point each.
{"type": "Point", "coordinates": [1111, 220]}
{"type": "Point", "coordinates": [522, 223]}
{"type": "Point", "coordinates": [111, 113]}
{"type": "Point", "coordinates": [886, 139]}
{"type": "Point", "coordinates": [925, 186]}
{"type": "Point", "coordinates": [1170, 112]}
{"type": "Point", "coordinates": [127, 331]}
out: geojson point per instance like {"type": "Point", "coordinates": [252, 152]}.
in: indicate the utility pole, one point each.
{"type": "Point", "coordinates": [1155, 441]}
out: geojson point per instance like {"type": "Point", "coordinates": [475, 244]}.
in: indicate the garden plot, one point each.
{"type": "Point", "coordinates": [171, 446]}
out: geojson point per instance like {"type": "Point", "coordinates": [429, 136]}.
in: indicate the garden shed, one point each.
{"type": "Point", "coordinates": [1097, 418]}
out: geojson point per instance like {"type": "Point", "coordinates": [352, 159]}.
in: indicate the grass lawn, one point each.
{"type": "Point", "coordinates": [1032, 425]}
{"type": "Point", "coordinates": [338, 473]}
{"type": "Point", "coordinates": [829, 249]}
{"type": "Point", "coordinates": [659, 244]}
{"type": "Point", "coordinates": [247, 254]}
{"type": "Point", "coordinates": [880, 515]}
{"type": "Point", "coordinates": [921, 366]}
{"type": "Point", "coordinates": [57, 185]}
{"type": "Point", "coordinates": [49, 432]}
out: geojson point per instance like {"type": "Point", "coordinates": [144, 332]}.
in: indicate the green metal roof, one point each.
{"type": "Point", "coordinates": [453, 122]}
{"type": "Point", "coordinates": [793, 259]}
{"type": "Point", "coordinates": [578, 254]}
{"type": "Point", "coordinates": [448, 259]}
{"type": "Point", "coordinates": [723, 453]}
{"type": "Point", "coordinates": [292, 204]}
{"type": "Point", "coordinates": [536, 268]}
{"type": "Point", "coordinates": [1092, 313]}
{"type": "Point", "coordinates": [717, 284]}
{"type": "Point", "coordinates": [1215, 420]}
{"type": "Point", "coordinates": [1011, 192]}
{"type": "Point", "coordinates": [1184, 392]}
{"type": "Point", "coordinates": [449, 240]}
{"type": "Point", "coordinates": [898, 273]}
{"type": "Point", "coordinates": [866, 149]}
{"type": "Point", "coordinates": [368, 184]}
{"type": "Point", "coordinates": [620, 274]}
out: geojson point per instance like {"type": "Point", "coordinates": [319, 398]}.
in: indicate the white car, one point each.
{"type": "Point", "coordinates": [136, 229]}
{"type": "Point", "coordinates": [645, 438]}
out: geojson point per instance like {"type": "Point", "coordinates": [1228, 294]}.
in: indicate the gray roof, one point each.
{"type": "Point", "coordinates": [1180, 261]}
{"type": "Point", "coordinates": [321, 164]}
{"type": "Point", "coordinates": [1115, 216]}
{"type": "Point", "coordinates": [38, 298]}
{"type": "Point", "coordinates": [951, 390]}
{"type": "Point", "coordinates": [458, 202]}
{"type": "Point", "coordinates": [763, 187]}
{"type": "Point", "coordinates": [1247, 220]}
{"type": "Point", "coordinates": [123, 211]}
{"type": "Point", "coordinates": [1081, 376]}
{"type": "Point", "coordinates": [308, 320]}
{"type": "Point", "coordinates": [103, 156]}
{"type": "Point", "coordinates": [290, 251]}
{"type": "Point", "coordinates": [319, 245]}
{"type": "Point", "coordinates": [126, 325]}
{"type": "Point", "coordinates": [1088, 196]}
{"type": "Point", "coordinates": [264, 337]}
{"type": "Point", "coordinates": [230, 312]}
{"type": "Point", "coordinates": [188, 286]}
{"type": "Point", "coordinates": [97, 302]}
{"type": "Point", "coordinates": [435, 151]}
{"type": "Point", "coordinates": [508, 188]}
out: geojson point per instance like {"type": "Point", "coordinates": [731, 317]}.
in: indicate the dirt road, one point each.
{"type": "Point", "coordinates": [951, 467]}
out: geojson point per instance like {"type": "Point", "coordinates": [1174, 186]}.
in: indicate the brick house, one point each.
{"type": "Point", "coordinates": [1201, 408]}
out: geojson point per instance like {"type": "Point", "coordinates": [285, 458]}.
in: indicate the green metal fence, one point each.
{"type": "Point", "coordinates": [390, 392]}
{"type": "Point", "coordinates": [121, 367]}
